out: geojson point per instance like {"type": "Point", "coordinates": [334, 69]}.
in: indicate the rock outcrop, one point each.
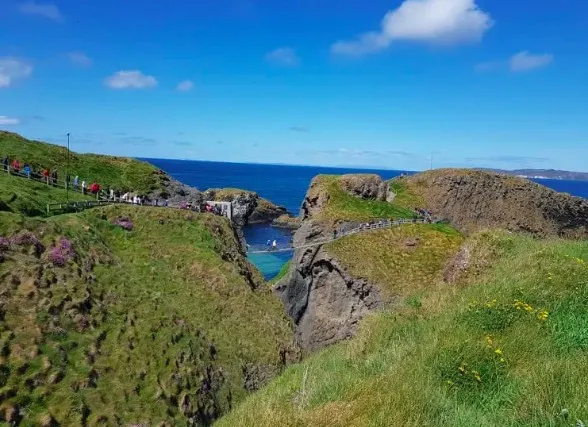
{"type": "Point", "coordinates": [325, 302]}
{"type": "Point", "coordinates": [286, 221]}
{"type": "Point", "coordinates": [365, 186]}
{"type": "Point", "coordinates": [475, 200]}
{"type": "Point", "coordinates": [248, 207]}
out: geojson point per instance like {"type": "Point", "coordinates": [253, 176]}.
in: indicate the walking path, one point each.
{"type": "Point", "coordinates": [360, 229]}
{"type": "Point", "coordinates": [101, 201]}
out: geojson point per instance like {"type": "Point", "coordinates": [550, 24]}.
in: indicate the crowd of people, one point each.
{"type": "Point", "coordinates": [51, 177]}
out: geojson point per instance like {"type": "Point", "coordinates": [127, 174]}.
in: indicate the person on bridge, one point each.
{"type": "Point", "coordinates": [274, 245]}
{"type": "Point", "coordinates": [15, 166]}
{"type": "Point", "coordinates": [27, 170]}
{"type": "Point", "coordinates": [46, 175]}
{"type": "Point", "coordinates": [5, 163]}
{"type": "Point", "coordinates": [84, 185]}
{"type": "Point", "coordinates": [76, 182]}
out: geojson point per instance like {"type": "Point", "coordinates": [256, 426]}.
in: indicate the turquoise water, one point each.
{"type": "Point", "coordinates": [286, 186]}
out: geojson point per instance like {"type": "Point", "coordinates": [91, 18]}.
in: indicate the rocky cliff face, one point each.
{"type": "Point", "coordinates": [474, 200]}
{"type": "Point", "coordinates": [248, 207]}
{"type": "Point", "coordinates": [324, 301]}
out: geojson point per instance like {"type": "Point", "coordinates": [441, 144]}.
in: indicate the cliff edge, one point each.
{"type": "Point", "coordinates": [475, 200]}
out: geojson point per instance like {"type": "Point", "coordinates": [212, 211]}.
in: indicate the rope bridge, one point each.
{"type": "Point", "coordinates": [384, 224]}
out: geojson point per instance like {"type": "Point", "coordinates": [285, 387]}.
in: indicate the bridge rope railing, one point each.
{"type": "Point", "coordinates": [384, 224]}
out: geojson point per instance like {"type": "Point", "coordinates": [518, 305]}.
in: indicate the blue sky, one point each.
{"type": "Point", "coordinates": [378, 83]}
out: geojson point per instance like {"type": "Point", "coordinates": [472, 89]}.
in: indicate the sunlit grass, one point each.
{"type": "Point", "coordinates": [504, 347]}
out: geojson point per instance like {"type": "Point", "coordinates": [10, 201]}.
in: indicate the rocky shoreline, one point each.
{"type": "Point", "coordinates": [248, 206]}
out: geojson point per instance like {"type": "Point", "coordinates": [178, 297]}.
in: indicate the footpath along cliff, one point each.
{"type": "Point", "coordinates": [125, 175]}
{"type": "Point", "coordinates": [329, 288]}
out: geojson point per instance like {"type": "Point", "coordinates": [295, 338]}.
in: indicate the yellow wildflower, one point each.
{"type": "Point", "coordinates": [502, 359]}
{"type": "Point", "coordinates": [543, 315]}
{"type": "Point", "coordinates": [489, 340]}
{"type": "Point", "coordinates": [477, 376]}
{"type": "Point", "coordinates": [498, 351]}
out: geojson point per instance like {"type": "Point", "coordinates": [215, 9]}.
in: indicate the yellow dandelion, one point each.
{"type": "Point", "coordinates": [498, 351]}
{"type": "Point", "coordinates": [502, 359]}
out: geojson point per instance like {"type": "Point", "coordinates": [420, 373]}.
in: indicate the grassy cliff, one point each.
{"type": "Point", "coordinates": [166, 322]}
{"type": "Point", "coordinates": [30, 197]}
{"type": "Point", "coordinates": [334, 204]}
{"type": "Point", "coordinates": [505, 344]}
{"type": "Point", "coordinates": [119, 172]}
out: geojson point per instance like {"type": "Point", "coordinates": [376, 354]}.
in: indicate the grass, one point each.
{"type": "Point", "coordinates": [118, 172]}
{"type": "Point", "coordinates": [342, 206]}
{"type": "Point", "coordinates": [161, 323]}
{"type": "Point", "coordinates": [29, 197]}
{"type": "Point", "coordinates": [507, 346]}
{"type": "Point", "coordinates": [405, 197]}
{"type": "Point", "coordinates": [400, 260]}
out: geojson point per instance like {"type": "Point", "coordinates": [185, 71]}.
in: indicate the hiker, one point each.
{"type": "Point", "coordinates": [27, 170]}
{"type": "Point", "coordinates": [112, 194]}
{"type": "Point", "coordinates": [154, 203]}
{"type": "Point", "coordinates": [269, 243]}
{"type": "Point", "coordinates": [95, 188]}
{"type": "Point", "coordinates": [84, 185]}
{"type": "Point", "coordinates": [54, 175]}
{"type": "Point", "coordinates": [15, 166]}
{"type": "Point", "coordinates": [67, 180]}
{"type": "Point", "coordinates": [76, 182]}
{"type": "Point", "coordinates": [46, 175]}
{"type": "Point", "coordinates": [274, 245]}
{"type": "Point", "coordinates": [5, 164]}
{"type": "Point", "coordinates": [166, 203]}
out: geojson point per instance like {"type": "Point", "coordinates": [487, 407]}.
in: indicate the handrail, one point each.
{"type": "Point", "coordinates": [360, 229]}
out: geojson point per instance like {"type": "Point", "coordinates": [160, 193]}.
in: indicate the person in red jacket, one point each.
{"type": "Point", "coordinates": [94, 188]}
{"type": "Point", "coordinates": [15, 166]}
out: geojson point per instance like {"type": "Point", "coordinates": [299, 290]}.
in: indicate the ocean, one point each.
{"type": "Point", "coordinates": [286, 186]}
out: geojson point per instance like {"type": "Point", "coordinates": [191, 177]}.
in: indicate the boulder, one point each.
{"type": "Point", "coordinates": [365, 186]}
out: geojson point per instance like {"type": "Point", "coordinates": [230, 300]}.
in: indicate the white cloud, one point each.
{"type": "Point", "coordinates": [46, 10]}
{"type": "Point", "coordinates": [80, 59]}
{"type": "Point", "coordinates": [130, 80]}
{"type": "Point", "coordinates": [446, 22]}
{"type": "Point", "coordinates": [185, 86]}
{"type": "Point", "coordinates": [9, 121]}
{"type": "Point", "coordinates": [526, 61]}
{"type": "Point", "coordinates": [520, 62]}
{"type": "Point", "coordinates": [12, 69]}
{"type": "Point", "coordinates": [284, 56]}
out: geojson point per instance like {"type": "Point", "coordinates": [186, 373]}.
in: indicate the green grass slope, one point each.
{"type": "Point", "coordinates": [30, 197]}
{"type": "Point", "coordinates": [119, 172]}
{"type": "Point", "coordinates": [401, 260]}
{"type": "Point", "coordinates": [507, 345]}
{"type": "Point", "coordinates": [162, 324]}
{"type": "Point", "coordinates": [342, 206]}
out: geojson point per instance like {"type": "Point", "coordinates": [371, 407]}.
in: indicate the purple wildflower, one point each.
{"type": "Point", "coordinates": [124, 222]}
{"type": "Point", "coordinates": [4, 244]}
{"type": "Point", "coordinates": [62, 252]}
{"type": "Point", "coordinates": [26, 238]}
{"type": "Point", "coordinates": [57, 257]}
